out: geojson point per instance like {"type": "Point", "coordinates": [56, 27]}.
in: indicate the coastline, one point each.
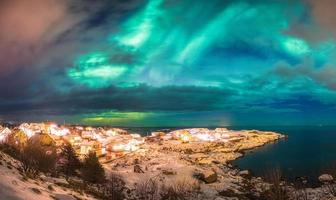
{"type": "Point", "coordinates": [251, 150]}
{"type": "Point", "coordinates": [196, 163]}
{"type": "Point", "coordinates": [206, 162]}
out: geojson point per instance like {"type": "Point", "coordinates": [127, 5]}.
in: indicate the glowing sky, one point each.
{"type": "Point", "coordinates": [169, 62]}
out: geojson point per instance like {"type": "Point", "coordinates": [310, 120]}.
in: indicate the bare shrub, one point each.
{"type": "Point", "coordinates": [114, 187]}
{"type": "Point", "coordinates": [180, 190]}
{"type": "Point", "coordinates": [277, 189]}
{"type": "Point", "coordinates": [148, 189]}
{"type": "Point", "coordinates": [330, 187]}
{"type": "Point", "coordinates": [36, 158]}
{"type": "Point", "coordinates": [300, 189]}
{"type": "Point", "coordinates": [10, 150]}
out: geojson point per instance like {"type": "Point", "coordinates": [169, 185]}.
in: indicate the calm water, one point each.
{"type": "Point", "coordinates": [308, 151]}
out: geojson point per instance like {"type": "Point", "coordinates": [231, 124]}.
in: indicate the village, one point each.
{"type": "Point", "coordinates": [111, 143]}
{"type": "Point", "coordinates": [107, 143]}
{"type": "Point", "coordinates": [198, 157]}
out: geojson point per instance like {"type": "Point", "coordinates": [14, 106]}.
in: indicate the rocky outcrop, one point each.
{"type": "Point", "coordinates": [326, 178]}
{"type": "Point", "coordinates": [208, 176]}
{"type": "Point", "coordinates": [168, 160]}
{"type": "Point", "coordinates": [245, 174]}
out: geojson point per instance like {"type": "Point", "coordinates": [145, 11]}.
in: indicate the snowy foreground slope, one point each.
{"type": "Point", "coordinates": [14, 187]}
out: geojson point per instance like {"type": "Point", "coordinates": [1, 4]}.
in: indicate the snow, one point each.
{"type": "Point", "coordinates": [13, 187]}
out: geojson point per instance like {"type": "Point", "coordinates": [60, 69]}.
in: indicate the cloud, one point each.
{"type": "Point", "coordinates": [140, 98]}
{"type": "Point", "coordinates": [39, 38]}
{"type": "Point", "coordinates": [75, 57]}
{"type": "Point", "coordinates": [24, 28]}
{"type": "Point", "coordinates": [324, 13]}
{"type": "Point", "coordinates": [33, 30]}
{"type": "Point", "coordinates": [324, 76]}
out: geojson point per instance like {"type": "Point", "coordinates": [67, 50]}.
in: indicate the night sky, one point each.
{"type": "Point", "coordinates": [168, 62]}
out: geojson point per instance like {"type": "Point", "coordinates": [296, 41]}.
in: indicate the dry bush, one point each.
{"type": "Point", "coordinates": [148, 189]}
{"type": "Point", "coordinates": [182, 189]}
{"type": "Point", "coordinates": [277, 190]}
{"type": "Point", "coordinates": [330, 187]}
{"type": "Point", "coordinates": [10, 150]}
{"type": "Point", "coordinates": [300, 186]}
{"type": "Point", "coordinates": [33, 157]}
{"type": "Point", "coordinates": [36, 158]}
{"type": "Point", "coordinates": [114, 187]}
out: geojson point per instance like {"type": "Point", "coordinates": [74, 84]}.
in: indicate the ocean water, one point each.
{"type": "Point", "coordinates": [308, 151]}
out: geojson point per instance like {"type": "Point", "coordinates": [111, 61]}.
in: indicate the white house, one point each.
{"type": "Point", "coordinates": [4, 133]}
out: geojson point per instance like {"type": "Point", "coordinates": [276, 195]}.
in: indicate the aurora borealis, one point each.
{"type": "Point", "coordinates": [168, 62]}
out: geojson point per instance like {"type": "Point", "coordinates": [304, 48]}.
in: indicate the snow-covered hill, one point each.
{"type": "Point", "coordinates": [13, 186]}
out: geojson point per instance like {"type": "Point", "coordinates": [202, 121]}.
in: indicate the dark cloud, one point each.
{"type": "Point", "coordinates": [142, 99]}
{"type": "Point", "coordinates": [324, 76]}
{"type": "Point", "coordinates": [40, 39]}
{"type": "Point", "coordinates": [324, 13]}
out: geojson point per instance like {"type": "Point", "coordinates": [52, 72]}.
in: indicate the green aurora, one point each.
{"type": "Point", "coordinates": [188, 63]}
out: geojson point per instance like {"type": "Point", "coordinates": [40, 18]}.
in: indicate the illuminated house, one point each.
{"type": "Point", "coordinates": [179, 134]}
{"type": "Point", "coordinates": [203, 134]}
{"type": "Point", "coordinates": [88, 146]}
{"type": "Point", "coordinates": [4, 133]}
{"type": "Point", "coordinates": [111, 132]}
{"type": "Point", "coordinates": [74, 140]}
{"type": "Point", "coordinates": [221, 130]}
{"type": "Point", "coordinates": [126, 144]}
{"type": "Point", "coordinates": [53, 129]}
{"type": "Point", "coordinates": [116, 131]}
{"type": "Point", "coordinates": [79, 128]}
{"type": "Point", "coordinates": [27, 129]}
{"type": "Point", "coordinates": [17, 138]}
{"type": "Point", "coordinates": [88, 134]}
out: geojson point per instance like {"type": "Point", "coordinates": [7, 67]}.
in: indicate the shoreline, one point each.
{"type": "Point", "coordinates": [199, 162]}
{"type": "Point", "coordinates": [171, 160]}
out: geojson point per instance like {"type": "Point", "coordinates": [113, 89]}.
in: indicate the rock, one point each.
{"type": "Point", "coordinates": [75, 180]}
{"type": "Point", "coordinates": [138, 169]}
{"type": "Point", "coordinates": [244, 173]}
{"type": "Point", "coordinates": [208, 176]}
{"type": "Point", "coordinates": [60, 181]}
{"type": "Point", "coordinates": [209, 193]}
{"type": "Point", "coordinates": [216, 162]}
{"type": "Point", "coordinates": [43, 177]}
{"type": "Point", "coordinates": [37, 191]}
{"type": "Point", "coordinates": [64, 197]}
{"type": "Point", "coordinates": [14, 182]}
{"type": "Point", "coordinates": [227, 198]}
{"type": "Point", "coordinates": [325, 178]}
{"type": "Point", "coordinates": [205, 161]}
{"type": "Point", "coordinates": [197, 156]}
{"type": "Point", "coordinates": [168, 172]}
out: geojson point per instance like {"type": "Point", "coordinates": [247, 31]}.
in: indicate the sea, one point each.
{"type": "Point", "coordinates": [307, 151]}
